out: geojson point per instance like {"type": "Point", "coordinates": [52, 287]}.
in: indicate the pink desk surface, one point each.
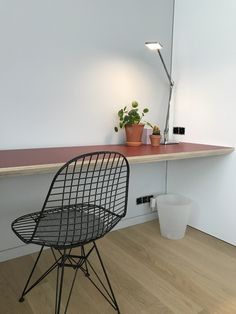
{"type": "Point", "coordinates": [41, 160]}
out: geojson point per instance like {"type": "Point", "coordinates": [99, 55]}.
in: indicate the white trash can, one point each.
{"type": "Point", "coordinates": [173, 211]}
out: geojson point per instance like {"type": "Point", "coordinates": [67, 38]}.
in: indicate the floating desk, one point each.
{"type": "Point", "coordinates": [43, 160]}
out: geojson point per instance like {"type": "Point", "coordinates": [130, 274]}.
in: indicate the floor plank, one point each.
{"type": "Point", "coordinates": [149, 274]}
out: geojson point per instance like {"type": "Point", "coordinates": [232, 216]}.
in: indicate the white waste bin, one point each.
{"type": "Point", "coordinates": [173, 211]}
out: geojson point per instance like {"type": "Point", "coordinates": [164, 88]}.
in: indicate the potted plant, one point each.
{"type": "Point", "coordinates": [131, 120]}
{"type": "Point", "coordinates": [155, 137]}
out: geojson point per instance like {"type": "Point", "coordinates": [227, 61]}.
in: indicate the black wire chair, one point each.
{"type": "Point", "coordinates": [87, 198]}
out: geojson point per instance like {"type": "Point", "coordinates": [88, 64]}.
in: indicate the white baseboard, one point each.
{"type": "Point", "coordinates": [18, 251]}
{"type": "Point", "coordinates": [131, 221]}
{"type": "Point", "coordinates": [26, 249]}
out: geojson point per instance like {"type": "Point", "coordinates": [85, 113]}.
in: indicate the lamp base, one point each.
{"type": "Point", "coordinates": [170, 143]}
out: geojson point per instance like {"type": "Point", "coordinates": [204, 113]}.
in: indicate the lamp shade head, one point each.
{"type": "Point", "coordinates": [153, 45]}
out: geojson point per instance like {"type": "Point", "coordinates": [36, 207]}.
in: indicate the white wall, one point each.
{"type": "Point", "coordinates": [204, 72]}
{"type": "Point", "coordinates": [66, 69]}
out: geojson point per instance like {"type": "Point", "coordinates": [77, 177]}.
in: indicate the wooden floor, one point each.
{"type": "Point", "coordinates": [150, 275]}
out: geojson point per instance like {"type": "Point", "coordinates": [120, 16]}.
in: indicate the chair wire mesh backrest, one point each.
{"type": "Point", "coordinates": [87, 198]}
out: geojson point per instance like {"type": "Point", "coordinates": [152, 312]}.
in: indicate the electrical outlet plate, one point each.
{"type": "Point", "coordinates": [139, 201]}
{"type": "Point", "coordinates": [179, 130]}
{"type": "Point", "coordinates": [143, 199]}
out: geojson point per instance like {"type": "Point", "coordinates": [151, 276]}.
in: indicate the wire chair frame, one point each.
{"type": "Point", "coordinates": [88, 196]}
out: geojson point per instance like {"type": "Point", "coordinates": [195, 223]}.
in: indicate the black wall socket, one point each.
{"type": "Point", "coordinates": [143, 199]}
{"type": "Point", "coordinates": [139, 200]}
{"type": "Point", "coordinates": [178, 130]}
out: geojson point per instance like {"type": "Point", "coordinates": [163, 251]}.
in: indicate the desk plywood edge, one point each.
{"type": "Point", "coordinates": [51, 168]}
{"type": "Point", "coordinates": [29, 170]}
{"type": "Point", "coordinates": [180, 155]}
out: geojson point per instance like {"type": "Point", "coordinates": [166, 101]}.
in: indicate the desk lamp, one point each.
{"type": "Point", "coordinates": [157, 46]}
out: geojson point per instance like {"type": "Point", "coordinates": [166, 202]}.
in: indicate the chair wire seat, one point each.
{"type": "Point", "coordinates": [87, 198]}
{"type": "Point", "coordinates": [72, 227]}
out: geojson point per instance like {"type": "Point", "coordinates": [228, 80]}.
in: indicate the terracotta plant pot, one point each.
{"type": "Point", "coordinates": [134, 134]}
{"type": "Point", "coordinates": [155, 140]}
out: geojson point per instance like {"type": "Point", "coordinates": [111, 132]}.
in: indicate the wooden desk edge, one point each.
{"type": "Point", "coordinates": [50, 168]}
{"type": "Point", "coordinates": [181, 155]}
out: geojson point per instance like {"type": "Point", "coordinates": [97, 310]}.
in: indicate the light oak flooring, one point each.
{"type": "Point", "coordinates": [149, 274]}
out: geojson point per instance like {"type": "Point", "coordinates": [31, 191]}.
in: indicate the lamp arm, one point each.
{"type": "Point", "coordinates": [164, 65]}
{"type": "Point", "coordinates": [166, 130]}
{"type": "Point", "coordinates": [171, 82]}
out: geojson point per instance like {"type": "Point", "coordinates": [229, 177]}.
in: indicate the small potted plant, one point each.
{"type": "Point", "coordinates": [131, 120]}
{"type": "Point", "coordinates": [155, 137]}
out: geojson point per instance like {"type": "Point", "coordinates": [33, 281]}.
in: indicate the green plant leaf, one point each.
{"type": "Point", "coordinates": [126, 118]}
{"type": "Point", "coordinates": [120, 113]}
{"type": "Point", "coordinates": [149, 124]}
{"type": "Point", "coordinates": [145, 110]}
{"type": "Point", "coordinates": [116, 129]}
{"type": "Point", "coordinates": [134, 104]}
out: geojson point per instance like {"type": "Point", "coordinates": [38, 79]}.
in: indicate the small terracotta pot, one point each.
{"type": "Point", "coordinates": [155, 140]}
{"type": "Point", "coordinates": [134, 134]}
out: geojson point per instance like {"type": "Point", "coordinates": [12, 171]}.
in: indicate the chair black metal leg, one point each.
{"type": "Point", "coordinates": [32, 271]}
{"type": "Point", "coordinates": [115, 306]}
{"type": "Point", "coordinates": [71, 289]}
{"type": "Point", "coordinates": [59, 285]}
{"type": "Point", "coordinates": [85, 261]}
